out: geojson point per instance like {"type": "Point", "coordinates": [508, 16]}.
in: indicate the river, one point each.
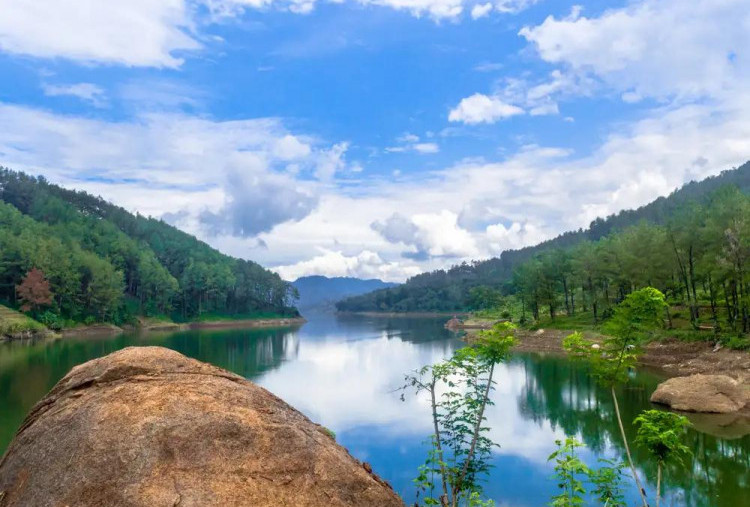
{"type": "Point", "coordinates": [342, 372]}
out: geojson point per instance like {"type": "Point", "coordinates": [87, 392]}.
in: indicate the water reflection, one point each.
{"type": "Point", "coordinates": [342, 372]}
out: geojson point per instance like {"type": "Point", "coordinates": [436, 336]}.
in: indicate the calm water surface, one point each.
{"type": "Point", "coordinates": [341, 372]}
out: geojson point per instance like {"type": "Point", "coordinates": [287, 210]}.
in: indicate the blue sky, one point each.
{"type": "Point", "coordinates": [374, 138]}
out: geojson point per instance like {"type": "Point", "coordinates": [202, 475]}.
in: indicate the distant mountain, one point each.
{"type": "Point", "coordinates": [321, 292]}
{"type": "Point", "coordinates": [449, 289]}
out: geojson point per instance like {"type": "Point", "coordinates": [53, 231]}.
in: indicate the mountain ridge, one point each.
{"type": "Point", "coordinates": [455, 282]}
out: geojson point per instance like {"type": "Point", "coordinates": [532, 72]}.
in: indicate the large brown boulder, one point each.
{"type": "Point", "coordinates": [147, 426]}
{"type": "Point", "coordinates": [702, 393]}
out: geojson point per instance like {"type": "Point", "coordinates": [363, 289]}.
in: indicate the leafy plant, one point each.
{"type": "Point", "coordinates": [607, 481]}
{"type": "Point", "coordinates": [459, 391]}
{"type": "Point", "coordinates": [661, 434]}
{"type": "Point", "coordinates": [568, 471]}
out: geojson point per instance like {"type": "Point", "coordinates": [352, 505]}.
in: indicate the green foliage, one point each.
{"type": "Point", "coordinates": [662, 434]}
{"type": "Point", "coordinates": [330, 433]}
{"type": "Point", "coordinates": [633, 319]}
{"type": "Point", "coordinates": [637, 315]}
{"type": "Point", "coordinates": [607, 483]}
{"type": "Point", "coordinates": [459, 390]}
{"type": "Point", "coordinates": [569, 470]}
{"type": "Point", "coordinates": [105, 264]}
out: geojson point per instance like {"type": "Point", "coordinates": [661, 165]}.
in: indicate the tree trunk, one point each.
{"type": "Point", "coordinates": [438, 445]}
{"type": "Point", "coordinates": [475, 436]}
{"type": "Point", "coordinates": [565, 290]}
{"type": "Point", "coordinates": [627, 449]}
{"type": "Point", "coordinates": [658, 483]}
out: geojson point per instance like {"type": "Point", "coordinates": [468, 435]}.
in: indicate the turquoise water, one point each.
{"type": "Point", "coordinates": [342, 372]}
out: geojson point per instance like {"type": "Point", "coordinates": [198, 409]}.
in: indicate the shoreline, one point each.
{"type": "Point", "coordinates": [247, 323]}
{"type": "Point", "coordinates": [110, 330]}
{"type": "Point", "coordinates": [404, 314]}
{"type": "Point", "coordinates": [673, 357]}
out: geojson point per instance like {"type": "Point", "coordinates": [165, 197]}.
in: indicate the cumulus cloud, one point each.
{"type": "Point", "coordinates": [480, 108]}
{"type": "Point", "coordinates": [429, 235]}
{"type": "Point", "coordinates": [87, 92]}
{"type": "Point", "coordinates": [230, 175]}
{"type": "Point", "coordinates": [366, 264]}
{"type": "Point", "coordinates": [255, 203]}
{"type": "Point", "coordinates": [397, 229]}
{"type": "Point", "coordinates": [701, 52]}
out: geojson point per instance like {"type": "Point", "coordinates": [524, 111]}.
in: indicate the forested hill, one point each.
{"type": "Point", "coordinates": [321, 293]}
{"type": "Point", "coordinates": [451, 289]}
{"type": "Point", "coordinates": [99, 262]}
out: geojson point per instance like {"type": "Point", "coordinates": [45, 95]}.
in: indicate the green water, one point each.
{"type": "Point", "coordinates": [341, 372]}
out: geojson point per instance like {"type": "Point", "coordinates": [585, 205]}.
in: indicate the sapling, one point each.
{"type": "Point", "coordinates": [639, 314]}
{"type": "Point", "coordinates": [568, 471]}
{"type": "Point", "coordinates": [459, 390]}
{"type": "Point", "coordinates": [661, 434]}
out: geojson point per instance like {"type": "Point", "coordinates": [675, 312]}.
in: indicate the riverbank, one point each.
{"type": "Point", "coordinates": [671, 356]}
{"type": "Point", "coordinates": [17, 326]}
{"type": "Point", "coordinates": [32, 330]}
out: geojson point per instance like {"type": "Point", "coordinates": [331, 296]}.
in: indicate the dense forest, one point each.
{"type": "Point", "coordinates": [67, 256]}
{"type": "Point", "coordinates": [693, 245]}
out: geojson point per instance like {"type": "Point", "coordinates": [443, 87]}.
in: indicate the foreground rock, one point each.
{"type": "Point", "coordinates": [146, 426]}
{"type": "Point", "coordinates": [702, 393]}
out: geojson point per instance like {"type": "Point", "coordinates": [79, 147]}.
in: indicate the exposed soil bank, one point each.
{"type": "Point", "coordinates": [92, 330]}
{"type": "Point", "coordinates": [672, 357]}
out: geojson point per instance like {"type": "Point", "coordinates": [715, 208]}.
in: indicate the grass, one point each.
{"type": "Point", "coordinates": [12, 322]}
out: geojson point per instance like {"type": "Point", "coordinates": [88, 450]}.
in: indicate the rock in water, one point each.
{"type": "Point", "coordinates": [147, 426]}
{"type": "Point", "coordinates": [702, 393]}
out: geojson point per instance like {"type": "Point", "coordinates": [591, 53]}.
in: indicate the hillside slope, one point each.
{"type": "Point", "coordinates": [320, 293]}
{"type": "Point", "coordinates": [449, 290]}
{"type": "Point", "coordinates": [103, 263]}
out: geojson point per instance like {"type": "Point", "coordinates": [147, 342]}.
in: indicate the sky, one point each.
{"type": "Point", "coordinates": [374, 138]}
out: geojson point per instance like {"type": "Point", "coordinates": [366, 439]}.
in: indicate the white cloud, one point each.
{"type": "Point", "coordinates": [330, 161]}
{"type": "Point", "coordinates": [479, 108]}
{"type": "Point", "coordinates": [87, 92]}
{"type": "Point", "coordinates": [366, 264]}
{"type": "Point", "coordinates": [429, 235]}
{"type": "Point", "coordinates": [426, 148]}
{"type": "Point", "coordinates": [290, 147]}
{"type": "Point", "coordinates": [230, 174]}
{"type": "Point", "coordinates": [410, 142]}
{"type": "Point", "coordinates": [514, 6]}
{"type": "Point", "coordinates": [132, 32]}
{"type": "Point", "coordinates": [516, 235]}
{"type": "Point", "coordinates": [654, 48]}
{"type": "Point", "coordinates": [480, 10]}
